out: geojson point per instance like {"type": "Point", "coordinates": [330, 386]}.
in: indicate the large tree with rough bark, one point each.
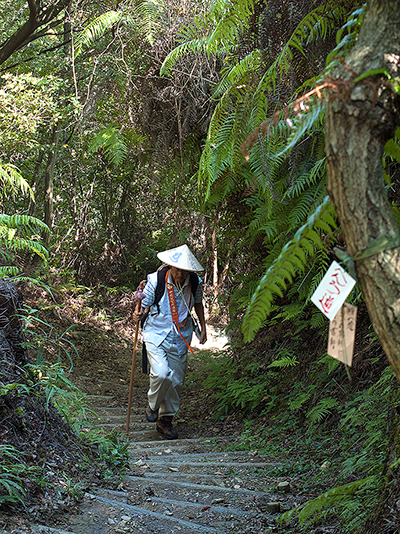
{"type": "Point", "coordinates": [358, 125]}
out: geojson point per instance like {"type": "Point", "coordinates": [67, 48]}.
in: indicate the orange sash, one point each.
{"type": "Point", "coordinates": [174, 309]}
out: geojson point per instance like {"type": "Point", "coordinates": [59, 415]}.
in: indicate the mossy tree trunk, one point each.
{"type": "Point", "coordinates": [359, 122]}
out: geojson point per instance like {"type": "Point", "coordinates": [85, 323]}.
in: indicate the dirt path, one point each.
{"type": "Point", "coordinates": [193, 484]}
{"type": "Point", "coordinates": [196, 484]}
{"type": "Point", "coordinates": [181, 486]}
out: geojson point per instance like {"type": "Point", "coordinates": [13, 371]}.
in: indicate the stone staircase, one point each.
{"type": "Point", "coordinates": [184, 486]}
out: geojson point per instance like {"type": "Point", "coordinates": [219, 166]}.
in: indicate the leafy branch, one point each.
{"type": "Point", "coordinates": [291, 261]}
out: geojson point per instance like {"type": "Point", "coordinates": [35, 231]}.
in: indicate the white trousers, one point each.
{"type": "Point", "coordinates": [167, 374]}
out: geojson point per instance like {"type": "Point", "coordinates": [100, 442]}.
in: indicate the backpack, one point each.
{"type": "Point", "coordinates": [159, 292]}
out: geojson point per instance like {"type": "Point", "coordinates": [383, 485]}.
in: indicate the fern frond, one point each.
{"type": "Point", "coordinates": [304, 205]}
{"type": "Point", "coordinates": [112, 142]}
{"type": "Point", "coordinates": [285, 361]}
{"type": "Point", "coordinates": [240, 72]}
{"type": "Point", "coordinates": [329, 500]}
{"type": "Point", "coordinates": [343, 44]}
{"type": "Point", "coordinates": [8, 271]}
{"type": "Point", "coordinates": [144, 17]}
{"type": "Point", "coordinates": [11, 178]}
{"type": "Point", "coordinates": [316, 24]}
{"type": "Point", "coordinates": [322, 410]}
{"type": "Point", "coordinates": [299, 400]}
{"type": "Point", "coordinates": [18, 244]}
{"type": "Point", "coordinates": [25, 224]}
{"type": "Point", "coordinates": [309, 178]}
{"type": "Point", "coordinates": [230, 16]}
{"type": "Point", "coordinates": [312, 121]}
{"type": "Point", "coordinates": [195, 46]}
{"type": "Point", "coordinates": [147, 19]}
{"type": "Point", "coordinates": [292, 258]}
{"type": "Point", "coordinates": [96, 29]}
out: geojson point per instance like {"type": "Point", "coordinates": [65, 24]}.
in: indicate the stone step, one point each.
{"type": "Point", "coordinates": [204, 512]}
{"type": "Point", "coordinates": [175, 444]}
{"type": "Point", "coordinates": [183, 486]}
{"type": "Point", "coordinates": [238, 481]}
{"type": "Point", "coordinates": [171, 487]}
{"type": "Point", "coordinates": [107, 411]}
{"type": "Point", "coordinates": [222, 506]}
{"type": "Point", "coordinates": [156, 521]}
{"type": "Point", "coordinates": [184, 453]}
{"type": "Point", "coordinates": [138, 425]}
{"type": "Point", "coordinates": [164, 464]}
{"type": "Point", "coordinates": [40, 529]}
{"type": "Point", "coordinates": [101, 401]}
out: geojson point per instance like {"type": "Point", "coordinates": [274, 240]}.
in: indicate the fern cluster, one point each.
{"type": "Point", "coordinates": [351, 433]}
{"type": "Point", "coordinates": [283, 180]}
{"type": "Point", "coordinates": [17, 236]}
{"type": "Point", "coordinates": [369, 461]}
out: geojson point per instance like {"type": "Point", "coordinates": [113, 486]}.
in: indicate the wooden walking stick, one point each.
{"type": "Point", "coordinates": [139, 296]}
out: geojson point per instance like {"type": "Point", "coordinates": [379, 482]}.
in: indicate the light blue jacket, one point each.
{"type": "Point", "coordinates": [159, 325]}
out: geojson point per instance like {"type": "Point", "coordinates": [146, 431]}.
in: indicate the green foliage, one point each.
{"type": "Point", "coordinates": [12, 181]}
{"type": "Point", "coordinates": [283, 181]}
{"type": "Point", "coordinates": [46, 341]}
{"type": "Point", "coordinates": [292, 260]}
{"type": "Point", "coordinates": [331, 501]}
{"type": "Point", "coordinates": [322, 410]}
{"type": "Point", "coordinates": [143, 16]}
{"type": "Point", "coordinates": [369, 453]}
{"type": "Point", "coordinates": [96, 29]}
{"type": "Point", "coordinates": [113, 449]}
{"type": "Point", "coordinates": [57, 389]}
{"type": "Point", "coordinates": [114, 144]}
{"type": "Point", "coordinates": [232, 390]}
{"type": "Point", "coordinates": [49, 384]}
{"type": "Point", "coordinates": [285, 360]}
{"type": "Point", "coordinates": [18, 235]}
{"type": "Point", "coordinates": [29, 103]}
{"type": "Point", "coordinates": [15, 388]}
{"type": "Point", "coordinates": [345, 38]}
{"type": "Point", "coordinates": [54, 385]}
{"type": "Point", "coordinates": [13, 470]}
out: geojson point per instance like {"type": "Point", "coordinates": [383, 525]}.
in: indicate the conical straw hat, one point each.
{"type": "Point", "coordinates": [181, 257]}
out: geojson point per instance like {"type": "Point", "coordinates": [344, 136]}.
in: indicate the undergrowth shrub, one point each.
{"type": "Point", "coordinates": [13, 472]}
{"type": "Point", "coordinates": [53, 384]}
{"type": "Point", "coordinates": [310, 411]}
{"type": "Point", "coordinates": [369, 462]}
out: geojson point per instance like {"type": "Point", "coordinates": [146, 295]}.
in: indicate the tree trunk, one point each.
{"type": "Point", "coordinates": [215, 255]}
{"type": "Point", "coordinates": [359, 122]}
{"type": "Point", "coordinates": [49, 185]}
{"type": "Point", "coordinates": [39, 16]}
{"type": "Point", "coordinates": [32, 203]}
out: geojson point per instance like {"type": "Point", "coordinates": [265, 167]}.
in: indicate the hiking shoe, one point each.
{"type": "Point", "coordinates": [151, 415]}
{"type": "Point", "coordinates": [164, 427]}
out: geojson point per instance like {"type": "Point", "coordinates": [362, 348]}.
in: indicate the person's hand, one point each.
{"type": "Point", "coordinates": [203, 336]}
{"type": "Point", "coordinates": [136, 316]}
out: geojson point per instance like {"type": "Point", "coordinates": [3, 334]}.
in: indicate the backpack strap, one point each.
{"type": "Point", "coordinates": [160, 288]}
{"type": "Point", "coordinates": [194, 282]}
{"type": "Point", "coordinates": [158, 293]}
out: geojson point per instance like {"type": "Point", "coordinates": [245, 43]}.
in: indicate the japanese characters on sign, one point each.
{"type": "Point", "coordinates": [333, 290]}
{"type": "Point", "coordinates": [342, 332]}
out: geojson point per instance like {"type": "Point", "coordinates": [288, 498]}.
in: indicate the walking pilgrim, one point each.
{"type": "Point", "coordinates": [170, 295]}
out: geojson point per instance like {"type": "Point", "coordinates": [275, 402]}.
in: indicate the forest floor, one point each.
{"type": "Point", "coordinates": [97, 338]}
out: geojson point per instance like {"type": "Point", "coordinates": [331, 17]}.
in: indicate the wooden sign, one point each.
{"type": "Point", "coordinates": [342, 332]}
{"type": "Point", "coordinates": [333, 290]}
